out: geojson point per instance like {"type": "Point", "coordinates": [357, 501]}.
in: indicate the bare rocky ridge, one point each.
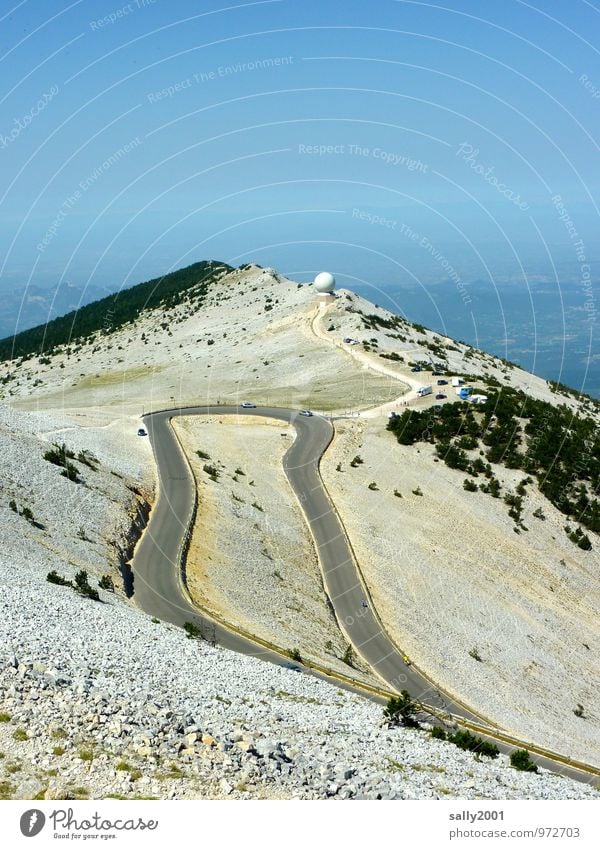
{"type": "Point", "coordinates": [130, 691]}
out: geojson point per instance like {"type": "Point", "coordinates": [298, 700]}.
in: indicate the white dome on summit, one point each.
{"type": "Point", "coordinates": [324, 282]}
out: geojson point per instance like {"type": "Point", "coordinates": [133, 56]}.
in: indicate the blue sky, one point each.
{"type": "Point", "coordinates": [386, 141]}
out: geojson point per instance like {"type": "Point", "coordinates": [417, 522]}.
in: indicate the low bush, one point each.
{"type": "Point", "coordinates": [54, 578]}
{"type": "Point", "coordinates": [469, 742]}
{"type": "Point", "coordinates": [438, 733]}
{"type": "Point", "coordinates": [521, 761]}
{"type": "Point", "coordinates": [83, 587]}
{"type": "Point", "coordinates": [348, 657]}
{"type": "Point", "coordinates": [193, 632]}
{"type": "Point", "coordinates": [402, 710]}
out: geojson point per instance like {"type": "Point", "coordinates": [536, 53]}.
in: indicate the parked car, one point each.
{"type": "Point", "coordinates": [142, 432]}
{"type": "Point", "coordinates": [436, 373]}
{"type": "Point", "coordinates": [305, 413]}
{"type": "Point", "coordinates": [416, 368]}
{"type": "Point", "coordinates": [247, 404]}
{"type": "Point", "coordinates": [440, 396]}
{"type": "Point", "coordinates": [442, 383]}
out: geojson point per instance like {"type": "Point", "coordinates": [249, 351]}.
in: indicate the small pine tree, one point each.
{"type": "Point", "coordinates": [348, 657]}
{"type": "Point", "coordinates": [106, 583]}
{"type": "Point", "coordinates": [82, 586]}
{"type": "Point", "coordinates": [54, 578]}
{"type": "Point", "coordinates": [401, 710]}
{"type": "Point", "coordinates": [521, 761]}
{"type": "Point", "coordinates": [193, 632]}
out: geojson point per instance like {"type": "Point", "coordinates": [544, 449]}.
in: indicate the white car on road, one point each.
{"type": "Point", "coordinates": [247, 405]}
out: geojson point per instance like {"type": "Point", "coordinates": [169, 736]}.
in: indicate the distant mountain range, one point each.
{"type": "Point", "coordinates": [28, 307]}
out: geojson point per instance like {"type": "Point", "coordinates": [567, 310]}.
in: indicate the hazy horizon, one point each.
{"type": "Point", "coordinates": [401, 145]}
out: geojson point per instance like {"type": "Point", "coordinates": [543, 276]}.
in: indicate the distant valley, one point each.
{"type": "Point", "coordinates": [25, 307]}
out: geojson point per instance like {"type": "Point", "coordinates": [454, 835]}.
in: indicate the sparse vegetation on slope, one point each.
{"type": "Point", "coordinates": [113, 312]}
{"type": "Point", "coordinates": [561, 449]}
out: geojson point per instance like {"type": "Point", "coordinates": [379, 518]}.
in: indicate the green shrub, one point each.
{"type": "Point", "coordinates": [71, 473]}
{"type": "Point", "coordinates": [402, 710]}
{"type": "Point", "coordinates": [54, 578]}
{"type": "Point", "coordinates": [83, 587]}
{"type": "Point", "coordinates": [521, 761]}
{"type": "Point", "coordinates": [579, 538]}
{"type": "Point", "coordinates": [438, 733]}
{"type": "Point", "coordinates": [211, 471]}
{"type": "Point", "coordinates": [295, 655]}
{"type": "Point", "coordinates": [193, 632]}
{"type": "Point", "coordinates": [88, 459]}
{"type": "Point", "coordinates": [348, 656]}
{"type": "Point", "coordinates": [469, 742]}
{"type": "Point", "coordinates": [470, 485]}
{"type": "Point", "coordinates": [106, 583]}
{"type": "Point", "coordinates": [58, 454]}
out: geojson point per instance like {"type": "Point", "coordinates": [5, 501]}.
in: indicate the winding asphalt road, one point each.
{"type": "Point", "coordinates": [159, 590]}
{"type": "Point", "coordinates": [156, 565]}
